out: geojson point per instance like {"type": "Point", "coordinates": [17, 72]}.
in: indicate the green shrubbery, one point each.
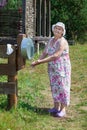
{"type": "Point", "coordinates": [13, 4]}
{"type": "Point", "coordinates": [74, 14]}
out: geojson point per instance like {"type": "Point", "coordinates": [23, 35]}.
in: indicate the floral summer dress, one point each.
{"type": "Point", "coordinates": [59, 72]}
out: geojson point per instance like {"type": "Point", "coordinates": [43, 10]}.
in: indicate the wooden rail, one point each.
{"type": "Point", "coordinates": [7, 88]}
{"type": "Point", "coordinates": [40, 40]}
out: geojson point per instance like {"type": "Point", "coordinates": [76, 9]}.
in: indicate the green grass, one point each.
{"type": "Point", "coordinates": [34, 98]}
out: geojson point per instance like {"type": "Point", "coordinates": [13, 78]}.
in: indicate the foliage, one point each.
{"type": "Point", "coordinates": [73, 13]}
{"type": "Point", "coordinates": [34, 98]}
{"type": "Point", "coordinates": [13, 4]}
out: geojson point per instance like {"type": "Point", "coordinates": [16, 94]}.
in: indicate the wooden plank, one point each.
{"type": "Point", "coordinates": [10, 23]}
{"type": "Point", "coordinates": [34, 6]}
{"type": "Point", "coordinates": [71, 42]}
{"type": "Point", "coordinates": [7, 69]}
{"type": "Point", "coordinates": [12, 98]}
{"type": "Point", "coordinates": [3, 49]}
{"type": "Point", "coordinates": [20, 61]}
{"type": "Point", "coordinates": [6, 40]}
{"type": "Point", "coordinates": [38, 15]}
{"type": "Point", "coordinates": [23, 16]}
{"type": "Point", "coordinates": [44, 17]}
{"type": "Point", "coordinates": [38, 38]}
{"type": "Point", "coordinates": [48, 25]}
{"type": "Point", "coordinates": [45, 11]}
{"type": "Point", "coordinates": [7, 88]}
{"type": "Point", "coordinates": [9, 12]}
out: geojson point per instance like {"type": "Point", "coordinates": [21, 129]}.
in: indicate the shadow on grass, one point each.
{"type": "Point", "coordinates": [23, 105]}
{"type": "Point", "coordinates": [27, 106]}
{"type": "Point", "coordinates": [41, 111]}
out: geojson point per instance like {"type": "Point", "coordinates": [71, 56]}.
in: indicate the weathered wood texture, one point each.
{"type": "Point", "coordinates": [32, 19]}
{"type": "Point", "coordinates": [15, 62]}
{"type": "Point", "coordinates": [5, 40]}
{"type": "Point", "coordinates": [10, 23]}
{"type": "Point", "coordinates": [37, 38]}
{"type": "Point", "coordinates": [12, 98]}
{"type": "Point", "coordinates": [42, 17]}
{"type": "Point", "coordinates": [7, 88]}
{"type": "Point", "coordinates": [8, 69]}
{"type": "Point", "coordinates": [20, 64]}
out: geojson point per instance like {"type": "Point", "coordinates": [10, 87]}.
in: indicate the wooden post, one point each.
{"type": "Point", "coordinates": [38, 17]}
{"type": "Point", "coordinates": [12, 98]}
{"type": "Point", "coordinates": [45, 11]}
{"type": "Point", "coordinates": [44, 17]}
{"type": "Point", "coordinates": [9, 69]}
{"type": "Point", "coordinates": [17, 60]}
{"type": "Point", "coordinates": [34, 6]}
{"type": "Point", "coordinates": [48, 19]}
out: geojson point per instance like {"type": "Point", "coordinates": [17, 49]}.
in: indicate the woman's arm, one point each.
{"type": "Point", "coordinates": [43, 55]}
{"type": "Point", "coordinates": [52, 57]}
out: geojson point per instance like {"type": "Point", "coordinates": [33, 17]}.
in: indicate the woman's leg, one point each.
{"type": "Point", "coordinates": [57, 105]}
{"type": "Point", "coordinates": [63, 107]}
{"type": "Point", "coordinates": [62, 112]}
{"type": "Point", "coordinates": [56, 108]}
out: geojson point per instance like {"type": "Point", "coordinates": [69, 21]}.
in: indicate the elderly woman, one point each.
{"type": "Point", "coordinates": [56, 54]}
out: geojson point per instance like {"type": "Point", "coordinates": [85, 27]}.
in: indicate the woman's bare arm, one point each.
{"type": "Point", "coordinates": [52, 57]}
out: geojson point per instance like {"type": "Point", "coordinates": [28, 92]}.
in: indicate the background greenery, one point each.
{"type": "Point", "coordinates": [74, 14]}
{"type": "Point", "coordinates": [34, 98]}
{"type": "Point", "coordinates": [13, 4]}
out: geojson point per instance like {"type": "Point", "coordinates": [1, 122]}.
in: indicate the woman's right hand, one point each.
{"type": "Point", "coordinates": [34, 63]}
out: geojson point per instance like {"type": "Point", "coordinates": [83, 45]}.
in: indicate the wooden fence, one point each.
{"type": "Point", "coordinates": [14, 63]}
{"type": "Point", "coordinates": [10, 23]}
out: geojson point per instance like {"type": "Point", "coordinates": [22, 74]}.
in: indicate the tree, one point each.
{"type": "Point", "coordinates": [73, 13]}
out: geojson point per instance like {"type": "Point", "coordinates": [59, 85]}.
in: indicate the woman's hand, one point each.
{"type": "Point", "coordinates": [34, 63]}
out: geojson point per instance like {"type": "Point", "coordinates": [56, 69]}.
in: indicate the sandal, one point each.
{"type": "Point", "coordinates": [60, 114]}
{"type": "Point", "coordinates": [53, 110]}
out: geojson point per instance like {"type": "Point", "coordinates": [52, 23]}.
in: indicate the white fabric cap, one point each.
{"type": "Point", "coordinates": [61, 25]}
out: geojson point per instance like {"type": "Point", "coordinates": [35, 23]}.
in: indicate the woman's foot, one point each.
{"type": "Point", "coordinates": [60, 114]}
{"type": "Point", "coordinates": [53, 110]}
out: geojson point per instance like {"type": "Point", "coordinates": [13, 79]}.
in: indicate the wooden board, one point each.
{"type": "Point", "coordinates": [8, 88]}
{"type": "Point", "coordinates": [10, 23]}
{"type": "Point", "coordinates": [7, 69]}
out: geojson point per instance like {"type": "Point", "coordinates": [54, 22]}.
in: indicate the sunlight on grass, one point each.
{"type": "Point", "coordinates": [34, 98]}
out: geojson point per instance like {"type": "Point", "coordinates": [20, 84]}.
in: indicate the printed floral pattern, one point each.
{"type": "Point", "coordinates": [59, 72]}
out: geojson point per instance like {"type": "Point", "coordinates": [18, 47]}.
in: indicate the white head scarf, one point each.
{"type": "Point", "coordinates": [61, 25]}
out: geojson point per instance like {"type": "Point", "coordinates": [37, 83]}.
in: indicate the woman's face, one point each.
{"type": "Point", "coordinates": [58, 31]}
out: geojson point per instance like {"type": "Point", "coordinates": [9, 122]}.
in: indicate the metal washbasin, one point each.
{"type": "Point", "coordinates": [27, 48]}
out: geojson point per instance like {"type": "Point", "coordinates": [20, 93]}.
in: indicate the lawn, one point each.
{"type": "Point", "coordinates": [34, 98]}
